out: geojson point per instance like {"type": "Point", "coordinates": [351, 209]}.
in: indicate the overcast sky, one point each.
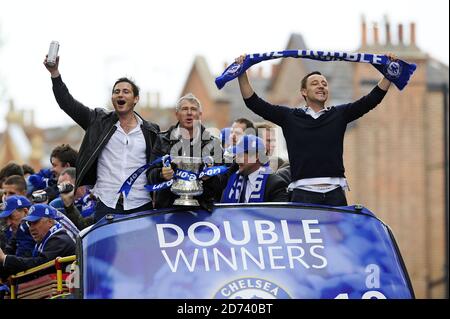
{"type": "Point", "coordinates": [155, 42]}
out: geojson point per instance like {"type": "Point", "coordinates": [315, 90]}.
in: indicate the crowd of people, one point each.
{"type": "Point", "coordinates": [42, 212]}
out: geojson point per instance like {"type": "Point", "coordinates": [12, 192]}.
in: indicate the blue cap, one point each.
{"type": "Point", "coordinates": [14, 202]}
{"type": "Point", "coordinates": [39, 211]}
{"type": "Point", "coordinates": [249, 143]}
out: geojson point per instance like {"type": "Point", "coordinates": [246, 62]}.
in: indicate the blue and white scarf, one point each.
{"type": "Point", "coordinates": [179, 174]}
{"type": "Point", "coordinates": [188, 176]}
{"type": "Point", "coordinates": [398, 71]}
{"type": "Point", "coordinates": [39, 247]}
{"type": "Point", "coordinates": [86, 204]}
{"type": "Point", "coordinates": [126, 186]}
{"type": "Point", "coordinates": [234, 188]}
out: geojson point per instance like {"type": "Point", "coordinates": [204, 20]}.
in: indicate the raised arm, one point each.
{"type": "Point", "coordinates": [274, 113]}
{"type": "Point", "coordinates": [54, 70]}
{"type": "Point", "coordinates": [244, 83]}
{"type": "Point", "coordinates": [384, 83]}
{"type": "Point", "coordinates": [80, 113]}
{"type": "Point", "coordinates": [355, 110]}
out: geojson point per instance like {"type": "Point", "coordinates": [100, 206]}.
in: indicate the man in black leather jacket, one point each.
{"type": "Point", "coordinates": [115, 144]}
{"type": "Point", "coordinates": [187, 138]}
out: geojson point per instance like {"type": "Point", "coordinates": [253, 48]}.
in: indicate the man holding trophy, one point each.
{"type": "Point", "coordinates": [190, 148]}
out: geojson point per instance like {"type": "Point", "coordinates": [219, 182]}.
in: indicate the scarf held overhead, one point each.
{"type": "Point", "coordinates": [398, 71]}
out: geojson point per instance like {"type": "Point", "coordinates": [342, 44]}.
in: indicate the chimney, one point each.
{"type": "Point", "coordinates": [400, 34]}
{"type": "Point", "coordinates": [412, 31]}
{"type": "Point", "coordinates": [375, 34]}
{"type": "Point", "coordinates": [388, 30]}
{"type": "Point", "coordinates": [363, 32]}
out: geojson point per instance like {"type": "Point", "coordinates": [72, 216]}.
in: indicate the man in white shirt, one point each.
{"type": "Point", "coordinates": [116, 143]}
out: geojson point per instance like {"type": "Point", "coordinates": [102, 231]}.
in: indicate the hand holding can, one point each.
{"type": "Point", "coordinates": [52, 53]}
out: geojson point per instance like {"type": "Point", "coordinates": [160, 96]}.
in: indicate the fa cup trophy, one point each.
{"type": "Point", "coordinates": [186, 183]}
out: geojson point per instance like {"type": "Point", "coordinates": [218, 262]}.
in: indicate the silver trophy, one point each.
{"type": "Point", "coordinates": [187, 189]}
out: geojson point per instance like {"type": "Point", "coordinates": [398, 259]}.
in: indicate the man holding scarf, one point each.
{"type": "Point", "coordinates": [186, 138]}
{"type": "Point", "coordinates": [51, 241]}
{"type": "Point", "coordinates": [314, 135]}
{"type": "Point", "coordinates": [250, 179]}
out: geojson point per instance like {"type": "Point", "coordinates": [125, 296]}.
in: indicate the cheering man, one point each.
{"type": "Point", "coordinates": [116, 143]}
{"type": "Point", "coordinates": [314, 135]}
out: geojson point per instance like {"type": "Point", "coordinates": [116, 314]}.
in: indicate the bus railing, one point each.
{"type": "Point", "coordinates": [57, 263]}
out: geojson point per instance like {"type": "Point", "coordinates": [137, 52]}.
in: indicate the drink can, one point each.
{"type": "Point", "coordinates": [52, 53]}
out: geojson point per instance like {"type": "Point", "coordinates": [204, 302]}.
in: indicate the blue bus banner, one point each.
{"type": "Point", "coordinates": [248, 252]}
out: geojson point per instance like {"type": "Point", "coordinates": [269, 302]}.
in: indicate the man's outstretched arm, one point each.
{"type": "Point", "coordinates": [80, 113]}
{"type": "Point", "coordinates": [244, 83]}
{"type": "Point", "coordinates": [274, 113]}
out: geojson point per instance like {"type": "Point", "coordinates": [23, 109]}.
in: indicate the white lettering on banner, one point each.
{"type": "Point", "coordinates": [291, 257]}
{"type": "Point", "coordinates": [308, 231]}
{"type": "Point", "coordinates": [244, 284]}
{"type": "Point", "coordinates": [264, 229]}
{"type": "Point", "coordinates": [242, 259]}
{"type": "Point", "coordinates": [286, 234]}
{"type": "Point", "coordinates": [313, 253]}
{"type": "Point", "coordinates": [273, 257]}
{"type": "Point", "coordinates": [260, 232]}
{"type": "Point", "coordinates": [259, 263]}
{"type": "Point", "coordinates": [232, 263]}
{"type": "Point", "coordinates": [205, 258]}
{"type": "Point", "coordinates": [274, 245]}
{"type": "Point", "coordinates": [372, 294]}
{"type": "Point", "coordinates": [162, 239]}
{"type": "Point", "coordinates": [180, 253]}
{"type": "Point", "coordinates": [246, 228]}
{"type": "Point", "coordinates": [373, 279]}
{"type": "Point", "coordinates": [195, 240]}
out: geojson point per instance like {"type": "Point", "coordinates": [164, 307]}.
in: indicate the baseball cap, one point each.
{"type": "Point", "coordinates": [39, 211]}
{"type": "Point", "coordinates": [249, 143]}
{"type": "Point", "coordinates": [14, 202]}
